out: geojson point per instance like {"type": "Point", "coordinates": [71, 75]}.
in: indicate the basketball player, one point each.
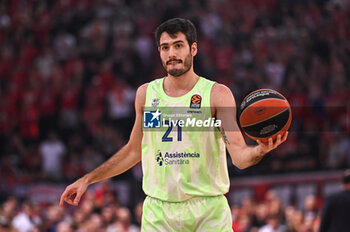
{"type": "Point", "coordinates": [185, 173]}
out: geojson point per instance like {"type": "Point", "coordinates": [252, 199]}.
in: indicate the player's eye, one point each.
{"type": "Point", "coordinates": [178, 45]}
{"type": "Point", "coordinates": [165, 48]}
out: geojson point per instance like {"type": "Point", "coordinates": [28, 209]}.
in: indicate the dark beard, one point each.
{"type": "Point", "coordinates": [178, 72]}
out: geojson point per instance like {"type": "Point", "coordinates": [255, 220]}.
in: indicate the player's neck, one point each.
{"type": "Point", "coordinates": [178, 86]}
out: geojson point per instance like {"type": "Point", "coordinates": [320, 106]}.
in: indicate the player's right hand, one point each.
{"type": "Point", "coordinates": [270, 145]}
{"type": "Point", "coordinates": [73, 192]}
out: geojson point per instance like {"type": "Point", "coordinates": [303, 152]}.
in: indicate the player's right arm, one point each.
{"type": "Point", "coordinates": [120, 162]}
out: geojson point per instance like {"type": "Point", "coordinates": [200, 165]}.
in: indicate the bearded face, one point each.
{"type": "Point", "coordinates": [178, 67]}
{"type": "Point", "coordinates": [176, 54]}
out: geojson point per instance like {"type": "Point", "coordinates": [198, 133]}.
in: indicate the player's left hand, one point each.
{"type": "Point", "coordinates": [270, 145]}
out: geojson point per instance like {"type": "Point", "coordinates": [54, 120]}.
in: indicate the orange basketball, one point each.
{"type": "Point", "coordinates": [265, 113]}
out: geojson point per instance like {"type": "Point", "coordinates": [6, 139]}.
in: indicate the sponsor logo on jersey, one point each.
{"type": "Point", "coordinates": [196, 101]}
{"type": "Point", "coordinates": [175, 158]}
{"type": "Point", "coordinates": [151, 119]}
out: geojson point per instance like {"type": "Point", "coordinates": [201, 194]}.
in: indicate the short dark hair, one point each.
{"type": "Point", "coordinates": [346, 176]}
{"type": "Point", "coordinates": [175, 25]}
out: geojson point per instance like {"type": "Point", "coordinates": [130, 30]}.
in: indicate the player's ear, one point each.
{"type": "Point", "coordinates": [158, 48]}
{"type": "Point", "coordinates": [194, 48]}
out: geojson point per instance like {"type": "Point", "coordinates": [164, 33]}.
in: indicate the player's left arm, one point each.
{"type": "Point", "coordinates": [242, 155]}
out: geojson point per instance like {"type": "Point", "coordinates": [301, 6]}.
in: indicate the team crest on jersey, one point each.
{"type": "Point", "coordinates": [196, 101]}
{"type": "Point", "coordinates": [155, 102]}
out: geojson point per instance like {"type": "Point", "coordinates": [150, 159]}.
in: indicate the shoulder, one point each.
{"type": "Point", "coordinates": [342, 194]}
{"type": "Point", "coordinates": [338, 196]}
{"type": "Point", "coordinates": [141, 90]}
{"type": "Point", "coordinates": [220, 89]}
{"type": "Point", "coordinates": [141, 95]}
{"type": "Point", "coordinates": [221, 95]}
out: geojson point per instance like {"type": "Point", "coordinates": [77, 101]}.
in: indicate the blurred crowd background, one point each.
{"type": "Point", "coordinates": [69, 70]}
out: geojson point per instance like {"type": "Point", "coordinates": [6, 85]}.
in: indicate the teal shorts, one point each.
{"type": "Point", "coordinates": [196, 214]}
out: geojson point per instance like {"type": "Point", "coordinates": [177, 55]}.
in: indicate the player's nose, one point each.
{"type": "Point", "coordinates": [172, 52]}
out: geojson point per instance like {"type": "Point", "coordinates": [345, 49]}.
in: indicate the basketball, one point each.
{"type": "Point", "coordinates": [264, 114]}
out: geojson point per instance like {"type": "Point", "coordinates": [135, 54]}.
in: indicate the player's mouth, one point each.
{"type": "Point", "coordinates": [169, 62]}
